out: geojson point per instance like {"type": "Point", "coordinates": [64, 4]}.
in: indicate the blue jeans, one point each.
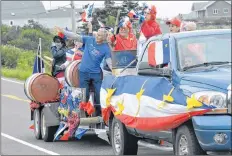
{"type": "Point", "coordinates": [85, 80]}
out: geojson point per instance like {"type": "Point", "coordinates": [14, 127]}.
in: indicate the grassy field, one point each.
{"type": "Point", "coordinates": [16, 73]}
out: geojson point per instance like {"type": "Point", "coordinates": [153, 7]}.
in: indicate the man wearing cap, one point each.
{"type": "Point", "coordinates": [174, 25]}
{"type": "Point", "coordinates": [125, 39]}
{"type": "Point", "coordinates": [96, 49]}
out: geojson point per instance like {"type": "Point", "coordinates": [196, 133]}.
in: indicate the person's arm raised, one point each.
{"type": "Point", "coordinates": [69, 34]}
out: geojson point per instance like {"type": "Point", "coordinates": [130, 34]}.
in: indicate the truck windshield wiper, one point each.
{"type": "Point", "coordinates": [205, 64]}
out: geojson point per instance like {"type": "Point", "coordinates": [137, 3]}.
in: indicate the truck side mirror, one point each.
{"type": "Point", "coordinates": [158, 53]}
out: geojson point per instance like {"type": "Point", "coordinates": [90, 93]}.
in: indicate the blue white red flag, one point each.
{"type": "Point", "coordinates": [86, 16]}
{"type": "Point", "coordinates": [158, 53]}
{"type": "Point", "coordinates": [148, 103]}
{"type": "Point", "coordinates": [38, 64]}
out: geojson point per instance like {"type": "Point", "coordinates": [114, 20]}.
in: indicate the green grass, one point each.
{"type": "Point", "coordinates": [16, 73]}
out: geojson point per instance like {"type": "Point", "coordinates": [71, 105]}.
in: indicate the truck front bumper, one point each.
{"type": "Point", "coordinates": [213, 132]}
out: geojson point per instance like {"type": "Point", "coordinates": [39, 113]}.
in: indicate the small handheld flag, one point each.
{"type": "Point", "coordinates": [86, 16]}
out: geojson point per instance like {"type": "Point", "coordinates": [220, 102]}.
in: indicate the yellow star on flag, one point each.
{"type": "Point", "coordinates": [120, 108]}
{"type": "Point", "coordinates": [166, 98]}
{"type": "Point", "coordinates": [110, 92]}
{"type": "Point", "coordinates": [138, 96]}
{"type": "Point", "coordinates": [193, 102]}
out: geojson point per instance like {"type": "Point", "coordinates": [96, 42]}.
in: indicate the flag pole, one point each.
{"type": "Point", "coordinates": [40, 54]}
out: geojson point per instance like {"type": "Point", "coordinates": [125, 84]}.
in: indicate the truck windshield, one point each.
{"type": "Point", "coordinates": [203, 50]}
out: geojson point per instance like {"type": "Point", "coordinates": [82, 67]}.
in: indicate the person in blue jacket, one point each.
{"type": "Point", "coordinates": [58, 50]}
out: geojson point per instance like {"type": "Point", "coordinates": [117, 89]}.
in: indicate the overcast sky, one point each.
{"type": "Point", "coordinates": [164, 8]}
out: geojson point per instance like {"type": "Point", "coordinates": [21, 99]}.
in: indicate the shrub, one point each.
{"type": "Point", "coordinates": [9, 56]}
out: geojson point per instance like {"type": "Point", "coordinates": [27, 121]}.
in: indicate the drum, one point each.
{"type": "Point", "coordinates": [72, 74]}
{"type": "Point", "coordinates": [41, 88]}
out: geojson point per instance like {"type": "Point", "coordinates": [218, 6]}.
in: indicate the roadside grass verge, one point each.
{"type": "Point", "coordinates": [16, 73]}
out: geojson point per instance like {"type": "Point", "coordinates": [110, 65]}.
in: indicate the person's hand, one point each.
{"type": "Point", "coordinates": [58, 29]}
{"type": "Point", "coordinates": [62, 67]}
{"type": "Point", "coordinates": [53, 44]}
{"type": "Point", "coordinates": [89, 25]}
{"type": "Point", "coordinates": [109, 36]}
{"type": "Point", "coordinates": [77, 52]}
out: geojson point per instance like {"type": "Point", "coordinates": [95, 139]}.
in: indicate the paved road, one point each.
{"type": "Point", "coordinates": [18, 139]}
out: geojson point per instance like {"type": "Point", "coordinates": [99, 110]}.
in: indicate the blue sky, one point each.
{"type": "Point", "coordinates": [164, 8]}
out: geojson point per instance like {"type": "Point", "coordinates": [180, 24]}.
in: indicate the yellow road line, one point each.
{"type": "Point", "coordinates": [15, 97]}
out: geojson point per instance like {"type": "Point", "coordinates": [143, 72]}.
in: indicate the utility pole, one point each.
{"type": "Point", "coordinates": [73, 17]}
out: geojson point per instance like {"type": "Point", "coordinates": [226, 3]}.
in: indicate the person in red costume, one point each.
{"type": "Point", "coordinates": [150, 27]}
{"type": "Point", "coordinates": [125, 39]}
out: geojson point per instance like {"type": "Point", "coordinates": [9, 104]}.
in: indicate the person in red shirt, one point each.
{"type": "Point", "coordinates": [125, 39]}
{"type": "Point", "coordinates": [150, 27]}
{"type": "Point", "coordinates": [174, 25]}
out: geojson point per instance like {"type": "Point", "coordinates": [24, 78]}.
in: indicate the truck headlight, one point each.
{"type": "Point", "coordinates": [212, 98]}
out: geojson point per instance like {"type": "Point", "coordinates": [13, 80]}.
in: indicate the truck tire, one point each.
{"type": "Point", "coordinates": [123, 143]}
{"type": "Point", "coordinates": [186, 142]}
{"type": "Point", "coordinates": [37, 124]}
{"type": "Point", "coordinates": [47, 132]}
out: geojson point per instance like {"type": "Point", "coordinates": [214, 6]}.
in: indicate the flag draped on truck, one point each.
{"type": "Point", "coordinates": [147, 103]}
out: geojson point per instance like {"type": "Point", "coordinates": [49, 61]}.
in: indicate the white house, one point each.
{"type": "Point", "coordinates": [19, 12]}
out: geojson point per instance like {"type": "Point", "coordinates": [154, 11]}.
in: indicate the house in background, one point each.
{"type": "Point", "coordinates": [17, 13]}
{"type": "Point", "coordinates": [209, 11]}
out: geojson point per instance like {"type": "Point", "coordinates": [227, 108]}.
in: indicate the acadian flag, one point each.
{"type": "Point", "coordinates": [39, 63]}
{"type": "Point", "coordinates": [86, 16]}
{"type": "Point", "coordinates": [152, 104]}
{"type": "Point", "coordinates": [159, 53]}
{"type": "Point", "coordinates": [132, 14]}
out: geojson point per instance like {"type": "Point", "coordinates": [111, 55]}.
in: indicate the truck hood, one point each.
{"type": "Point", "coordinates": [219, 77]}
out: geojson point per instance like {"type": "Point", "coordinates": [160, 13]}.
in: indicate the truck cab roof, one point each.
{"type": "Point", "coordinates": [192, 33]}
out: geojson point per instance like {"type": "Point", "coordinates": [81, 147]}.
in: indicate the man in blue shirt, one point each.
{"type": "Point", "coordinates": [96, 49]}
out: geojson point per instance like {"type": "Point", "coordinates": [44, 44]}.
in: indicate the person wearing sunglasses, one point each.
{"type": "Point", "coordinates": [125, 39]}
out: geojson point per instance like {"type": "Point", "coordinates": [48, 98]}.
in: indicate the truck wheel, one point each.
{"type": "Point", "coordinates": [37, 124]}
{"type": "Point", "coordinates": [186, 142]}
{"type": "Point", "coordinates": [123, 143]}
{"type": "Point", "coordinates": [47, 132]}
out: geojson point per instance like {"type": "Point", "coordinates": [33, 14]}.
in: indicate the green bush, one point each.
{"type": "Point", "coordinates": [27, 37]}
{"type": "Point", "coordinates": [18, 63]}
{"type": "Point", "coordinates": [24, 43]}
{"type": "Point", "coordinates": [9, 56]}
{"type": "Point", "coordinates": [16, 73]}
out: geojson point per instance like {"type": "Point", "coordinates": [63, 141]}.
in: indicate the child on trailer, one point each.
{"type": "Point", "coordinates": [73, 54]}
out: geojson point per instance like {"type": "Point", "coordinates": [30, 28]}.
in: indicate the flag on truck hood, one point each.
{"type": "Point", "coordinates": [147, 103]}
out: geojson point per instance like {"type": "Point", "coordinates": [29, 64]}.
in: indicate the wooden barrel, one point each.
{"type": "Point", "coordinates": [72, 74]}
{"type": "Point", "coordinates": [41, 88]}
